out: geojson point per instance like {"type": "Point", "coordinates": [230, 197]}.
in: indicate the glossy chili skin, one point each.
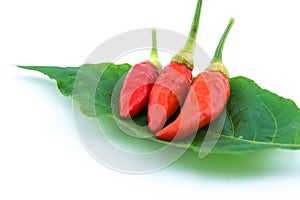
{"type": "Point", "coordinates": [205, 100]}
{"type": "Point", "coordinates": [168, 92]}
{"type": "Point", "coordinates": [136, 88]}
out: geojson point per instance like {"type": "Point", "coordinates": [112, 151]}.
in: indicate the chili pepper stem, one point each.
{"type": "Point", "coordinates": [217, 63]}
{"type": "Point", "coordinates": [218, 53]}
{"type": "Point", "coordinates": [185, 55]}
{"type": "Point", "coordinates": [153, 58]}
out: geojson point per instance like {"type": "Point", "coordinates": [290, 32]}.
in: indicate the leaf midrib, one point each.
{"type": "Point", "coordinates": [258, 142]}
{"type": "Point", "coordinates": [238, 139]}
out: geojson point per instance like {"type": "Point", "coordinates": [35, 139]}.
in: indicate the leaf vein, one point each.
{"type": "Point", "coordinates": [231, 123]}
{"type": "Point", "coordinates": [260, 142]}
{"type": "Point", "coordinates": [274, 118]}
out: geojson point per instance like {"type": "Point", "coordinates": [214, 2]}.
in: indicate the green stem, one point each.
{"type": "Point", "coordinates": [191, 41]}
{"type": "Point", "coordinates": [218, 53]}
{"type": "Point", "coordinates": [185, 55]}
{"type": "Point", "coordinates": [217, 63]}
{"type": "Point", "coordinates": [153, 58]}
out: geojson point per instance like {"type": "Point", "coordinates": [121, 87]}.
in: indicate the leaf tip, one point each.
{"type": "Point", "coordinates": [23, 67]}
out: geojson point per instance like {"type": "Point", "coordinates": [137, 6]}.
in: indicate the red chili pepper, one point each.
{"type": "Point", "coordinates": [205, 100]}
{"type": "Point", "coordinates": [138, 83]}
{"type": "Point", "coordinates": [171, 86]}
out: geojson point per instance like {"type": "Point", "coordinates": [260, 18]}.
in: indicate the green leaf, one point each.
{"type": "Point", "coordinates": [94, 86]}
{"type": "Point", "coordinates": [256, 119]}
{"type": "Point", "coordinates": [64, 76]}
{"type": "Point", "coordinates": [91, 85]}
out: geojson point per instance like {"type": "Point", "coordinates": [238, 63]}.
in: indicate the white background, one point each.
{"type": "Point", "coordinates": [41, 156]}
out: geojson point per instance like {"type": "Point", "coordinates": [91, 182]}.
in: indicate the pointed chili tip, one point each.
{"type": "Point", "coordinates": [160, 135]}
{"type": "Point", "coordinates": [164, 135]}
{"type": "Point", "coordinates": [157, 117]}
{"type": "Point", "coordinates": [124, 115]}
